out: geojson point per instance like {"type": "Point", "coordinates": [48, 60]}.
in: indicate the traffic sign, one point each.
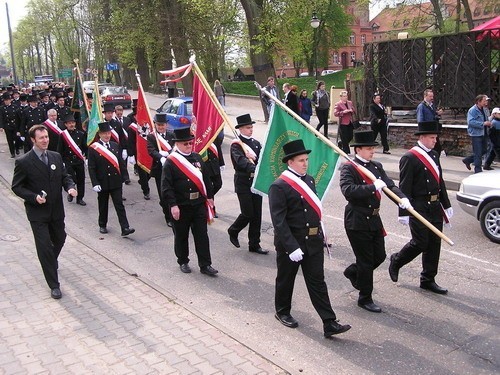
{"type": "Point", "coordinates": [111, 66]}
{"type": "Point", "coordinates": [65, 73]}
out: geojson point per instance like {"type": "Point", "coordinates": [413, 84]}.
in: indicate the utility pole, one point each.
{"type": "Point", "coordinates": [14, 75]}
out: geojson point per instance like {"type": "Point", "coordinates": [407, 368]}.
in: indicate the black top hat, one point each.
{"type": "Point", "coordinates": [160, 118]}
{"type": "Point", "coordinates": [59, 94]}
{"type": "Point", "coordinates": [89, 95]}
{"type": "Point", "coordinates": [104, 127]}
{"type": "Point", "coordinates": [134, 102]}
{"type": "Point", "coordinates": [108, 107]}
{"type": "Point", "coordinates": [182, 134]}
{"type": "Point", "coordinates": [244, 120]}
{"type": "Point", "coordinates": [69, 89]}
{"type": "Point", "coordinates": [428, 127]}
{"type": "Point", "coordinates": [69, 118]}
{"type": "Point", "coordinates": [294, 148]}
{"type": "Point", "coordinates": [364, 138]}
{"type": "Point", "coordinates": [32, 98]}
{"type": "Point", "coordinates": [43, 94]}
{"type": "Point", "coordinates": [23, 97]}
{"type": "Point", "coordinates": [6, 96]}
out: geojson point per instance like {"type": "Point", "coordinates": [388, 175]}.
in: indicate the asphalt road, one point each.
{"type": "Point", "coordinates": [417, 333]}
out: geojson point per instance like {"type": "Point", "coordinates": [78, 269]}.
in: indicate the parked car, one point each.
{"type": "Point", "coordinates": [326, 72]}
{"type": "Point", "coordinates": [179, 112]}
{"type": "Point", "coordinates": [88, 86]}
{"type": "Point", "coordinates": [479, 196]}
{"type": "Point", "coordinates": [304, 74]}
{"type": "Point", "coordinates": [116, 95]}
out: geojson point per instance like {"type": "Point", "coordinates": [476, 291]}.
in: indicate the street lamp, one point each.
{"type": "Point", "coordinates": [315, 22]}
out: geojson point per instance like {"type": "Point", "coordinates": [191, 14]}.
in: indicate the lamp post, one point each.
{"type": "Point", "coordinates": [315, 22]}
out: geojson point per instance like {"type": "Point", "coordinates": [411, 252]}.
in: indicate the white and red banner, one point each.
{"type": "Point", "coordinates": [142, 157]}
{"type": "Point", "coordinates": [143, 118]}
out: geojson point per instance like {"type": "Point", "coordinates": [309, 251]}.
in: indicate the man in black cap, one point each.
{"type": "Point", "coordinates": [298, 238]}
{"type": "Point", "coordinates": [31, 115]}
{"type": "Point", "coordinates": [68, 101]}
{"type": "Point", "coordinates": [186, 187]}
{"type": "Point", "coordinates": [245, 152]}
{"type": "Point", "coordinates": [45, 103]}
{"type": "Point", "coordinates": [72, 146]}
{"type": "Point", "coordinates": [159, 147]}
{"type": "Point", "coordinates": [55, 127]}
{"type": "Point", "coordinates": [62, 110]}
{"type": "Point", "coordinates": [362, 221]}
{"type": "Point", "coordinates": [105, 170]}
{"type": "Point", "coordinates": [421, 180]}
{"type": "Point", "coordinates": [117, 135]}
{"type": "Point", "coordinates": [9, 122]}
{"type": "Point", "coordinates": [132, 114]}
{"type": "Point", "coordinates": [137, 137]}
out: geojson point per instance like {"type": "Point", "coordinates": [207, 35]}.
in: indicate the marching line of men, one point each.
{"type": "Point", "coordinates": [186, 186]}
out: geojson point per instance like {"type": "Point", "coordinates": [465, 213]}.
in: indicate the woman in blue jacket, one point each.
{"type": "Point", "coordinates": [305, 106]}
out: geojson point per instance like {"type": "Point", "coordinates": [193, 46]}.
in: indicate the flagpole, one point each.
{"type": "Point", "coordinates": [97, 98]}
{"type": "Point", "coordinates": [81, 85]}
{"type": "Point", "coordinates": [342, 153]}
{"type": "Point", "coordinates": [138, 76]}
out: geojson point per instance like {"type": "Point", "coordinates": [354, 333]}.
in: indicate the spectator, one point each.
{"type": "Point", "coordinates": [344, 110]}
{"type": "Point", "coordinates": [305, 106]}
{"type": "Point", "coordinates": [273, 90]}
{"type": "Point", "coordinates": [426, 112]}
{"type": "Point", "coordinates": [321, 101]}
{"type": "Point", "coordinates": [378, 121]}
{"type": "Point", "coordinates": [494, 135]}
{"type": "Point", "coordinates": [290, 98]}
{"type": "Point", "coordinates": [220, 93]}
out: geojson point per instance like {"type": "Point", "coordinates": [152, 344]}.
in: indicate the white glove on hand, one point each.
{"type": "Point", "coordinates": [405, 220]}
{"type": "Point", "coordinates": [97, 188]}
{"type": "Point", "coordinates": [296, 256]}
{"type": "Point", "coordinates": [379, 184]}
{"type": "Point", "coordinates": [449, 212]}
{"type": "Point", "coordinates": [131, 159]}
{"type": "Point", "coordinates": [124, 154]}
{"type": "Point", "coordinates": [447, 225]}
{"type": "Point", "coordinates": [163, 160]}
{"type": "Point", "coordinates": [222, 168]}
{"type": "Point", "coordinates": [164, 153]}
{"type": "Point", "coordinates": [86, 162]}
{"type": "Point", "coordinates": [405, 204]}
{"type": "Point", "coordinates": [22, 138]}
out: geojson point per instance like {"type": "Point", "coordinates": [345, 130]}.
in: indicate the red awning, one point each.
{"type": "Point", "coordinates": [488, 25]}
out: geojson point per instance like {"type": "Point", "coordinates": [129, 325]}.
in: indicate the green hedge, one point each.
{"type": "Point", "coordinates": [308, 83]}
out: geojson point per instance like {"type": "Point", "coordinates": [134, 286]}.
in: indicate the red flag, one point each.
{"type": "Point", "coordinates": [209, 121]}
{"type": "Point", "coordinates": [143, 118]}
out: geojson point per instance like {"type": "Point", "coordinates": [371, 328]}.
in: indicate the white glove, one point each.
{"type": "Point", "coordinates": [131, 159]}
{"type": "Point", "coordinates": [97, 188]}
{"type": "Point", "coordinates": [86, 162]}
{"type": "Point", "coordinates": [405, 204]}
{"type": "Point", "coordinates": [164, 153]}
{"type": "Point", "coordinates": [447, 225]}
{"type": "Point", "coordinates": [405, 220]}
{"type": "Point", "coordinates": [222, 168]}
{"type": "Point", "coordinates": [163, 160]}
{"type": "Point", "coordinates": [296, 256]}
{"type": "Point", "coordinates": [22, 138]}
{"type": "Point", "coordinates": [124, 154]}
{"type": "Point", "coordinates": [379, 184]}
{"type": "Point", "coordinates": [449, 212]}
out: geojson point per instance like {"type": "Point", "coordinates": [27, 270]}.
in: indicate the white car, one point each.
{"type": "Point", "coordinates": [326, 72]}
{"type": "Point", "coordinates": [479, 196]}
{"type": "Point", "coordinates": [304, 74]}
{"type": "Point", "coordinates": [88, 86]}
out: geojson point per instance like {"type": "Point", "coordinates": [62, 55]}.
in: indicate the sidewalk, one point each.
{"type": "Point", "coordinates": [108, 321]}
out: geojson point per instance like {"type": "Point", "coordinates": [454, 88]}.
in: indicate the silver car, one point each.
{"type": "Point", "coordinates": [479, 196]}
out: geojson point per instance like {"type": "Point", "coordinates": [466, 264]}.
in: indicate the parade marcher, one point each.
{"type": "Point", "coordinates": [344, 110]}
{"type": "Point", "coordinates": [135, 131]}
{"type": "Point", "coordinates": [105, 169]}
{"type": "Point", "coordinates": [159, 148]}
{"type": "Point", "coordinates": [131, 117]}
{"type": "Point", "coordinates": [9, 122]}
{"type": "Point", "coordinates": [68, 101]}
{"type": "Point", "coordinates": [62, 110]}
{"type": "Point", "coordinates": [45, 102]}
{"type": "Point", "coordinates": [362, 221]}
{"type": "Point", "coordinates": [187, 190]}
{"type": "Point", "coordinates": [299, 240]}
{"type": "Point", "coordinates": [378, 121]}
{"type": "Point", "coordinates": [55, 128]}
{"type": "Point", "coordinates": [421, 180]}
{"type": "Point", "coordinates": [31, 115]}
{"type": "Point", "coordinates": [245, 152]}
{"type": "Point", "coordinates": [72, 146]}
{"type": "Point", "coordinates": [39, 177]}
{"type": "Point", "coordinates": [117, 135]}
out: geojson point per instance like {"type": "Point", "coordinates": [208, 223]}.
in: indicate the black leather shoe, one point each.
{"type": "Point", "coordinates": [103, 230]}
{"type": "Point", "coordinates": [488, 168]}
{"type": "Point", "coordinates": [433, 287]}
{"type": "Point", "coordinates": [127, 182]}
{"type": "Point", "coordinates": [387, 152]}
{"type": "Point", "coordinates": [12, 156]}
{"type": "Point", "coordinates": [70, 198]}
{"type": "Point", "coordinates": [350, 273]}
{"type": "Point", "coordinates": [169, 224]}
{"type": "Point", "coordinates": [127, 231]}
{"type": "Point", "coordinates": [371, 307]}
{"type": "Point", "coordinates": [393, 270]}
{"type": "Point", "coordinates": [333, 327]}
{"type": "Point", "coordinates": [17, 152]}
{"type": "Point", "coordinates": [147, 197]}
{"type": "Point", "coordinates": [56, 293]}
{"type": "Point", "coordinates": [81, 202]}
{"type": "Point", "coordinates": [467, 165]}
{"type": "Point", "coordinates": [233, 238]}
{"type": "Point", "coordinates": [209, 270]}
{"type": "Point", "coordinates": [185, 268]}
{"type": "Point", "coordinates": [258, 250]}
{"type": "Point", "coordinates": [287, 320]}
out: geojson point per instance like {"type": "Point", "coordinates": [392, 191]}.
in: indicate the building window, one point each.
{"type": "Point", "coordinates": [353, 56]}
{"type": "Point", "coordinates": [336, 58]}
{"type": "Point", "coordinates": [363, 39]}
{"type": "Point", "coordinates": [352, 39]}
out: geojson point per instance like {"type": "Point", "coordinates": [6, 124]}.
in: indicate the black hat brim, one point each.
{"type": "Point", "coordinates": [245, 123]}
{"type": "Point", "coordinates": [364, 144]}
{"type": "Point", "coordinates": [183, 139]}
{"type": "Point", "coordinates": [291, 155]}
{"type": "Point", "coordinates": [427, 132]}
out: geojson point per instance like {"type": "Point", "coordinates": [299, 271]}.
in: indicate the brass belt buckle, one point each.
{"type": "Point", "coordinates": [375, 211]}
{"type": "Point", "coordinates": [313, 231]}
{"type": "Point", "coordinates": [434, 198]}
{"type": "Point", "coordinates": [194, 195]}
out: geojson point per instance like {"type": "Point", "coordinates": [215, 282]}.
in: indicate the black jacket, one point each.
{"type": "Point", "coordinates": [9, 117]}
{"type": "Point", "coordinates": [154, 152]}
{"type": "Point", "coordinates": [29, 117]}
{"type": "Point", "coordinates": [102, 172]}
{"type": "Point", "coordinates": [243, 169]}
{"type": "Point", "coordinates": [69, 157]}
{"type": "Point", "coordinates": [376, 114]}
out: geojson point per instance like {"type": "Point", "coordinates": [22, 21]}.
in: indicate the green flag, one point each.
{"type": "Point", "coordinates": [95, 116]}
{"type": "Point", "coordinates": [284, 128]}
{"type": "Point", "coordinates": [78, 103]}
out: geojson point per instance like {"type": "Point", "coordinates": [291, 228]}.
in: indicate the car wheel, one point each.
{"type": "Point", "coordinates": [490, 221]}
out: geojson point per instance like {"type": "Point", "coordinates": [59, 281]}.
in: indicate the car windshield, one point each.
{"type": "Point", "coordinates": [115, 90]}
{"type": "Point", "coordinates": [189, 108]}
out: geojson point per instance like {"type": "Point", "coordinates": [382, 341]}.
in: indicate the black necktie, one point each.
{"type": "Point", "coordinates": [108, 146]}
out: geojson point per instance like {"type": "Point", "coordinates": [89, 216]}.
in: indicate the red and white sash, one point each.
{"type": "Point", "coordinates": [213, 148]}
{"type": "Point", "coordinates": [52, 126]}
{"type": "Point", "coordinates": [195, 175]}
{"type": "Point", "coordinates": [165, 146]}
{"type": "Point", "coordinates": [115, 136]}
{"type": "Point", "coordinates": [72, 145]}
{"type": "Point", "coordinates": [104, 152]}
{"type": "Point", "coordinates": [433, 168]}
{"type": "Point", "coordinates": [246, 148]}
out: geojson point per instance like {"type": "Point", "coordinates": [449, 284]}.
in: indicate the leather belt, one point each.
{"type": "Point", "coordinates": [366, 210]}
{"type": "Point", "coordinates": [429, 198]}
{"type": "Point", "coordinates": [313, 231]}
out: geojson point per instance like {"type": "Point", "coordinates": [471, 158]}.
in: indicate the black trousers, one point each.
{"type": "Point", "coordinates": [423, 241]}
{"type": "Point", "coordinates": [194, 218]}
{"type": "Point", "coordinates": [323, 120]}
{"type": "Point", "coordinates": [251, 215]}
{"type": "Point", "coordinates": [143, 179]}
{"type": "Point", "coordinates": [314, 276]}
{"type": "Point", "coordinates": [27, 145]}
{"type": "Point", "coordinates": [382, 129]}
{"type": "Point", "coordinates": [103, 202]}
{"type": "Point", "coordinates": [163, 204]}
{"type": "Point", "coordinates": [345, 133]}
{"type": "Point", "coordinates": [49, 241]}
{"type": "Point", "coordinates": [369, 249]}
{"type": "Point", "coordinates": [216, 181]}
{"type": "Point", "coordinates": [77, 171]}
{"type": "Point", "coordinates": [10, 134]}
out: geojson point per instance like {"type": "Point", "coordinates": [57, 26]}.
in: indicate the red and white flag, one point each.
{"type": "Point", "coordinates": [143, 118]}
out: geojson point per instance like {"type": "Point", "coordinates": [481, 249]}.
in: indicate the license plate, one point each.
{"type": "Point", "coordinates": [119, 97]}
